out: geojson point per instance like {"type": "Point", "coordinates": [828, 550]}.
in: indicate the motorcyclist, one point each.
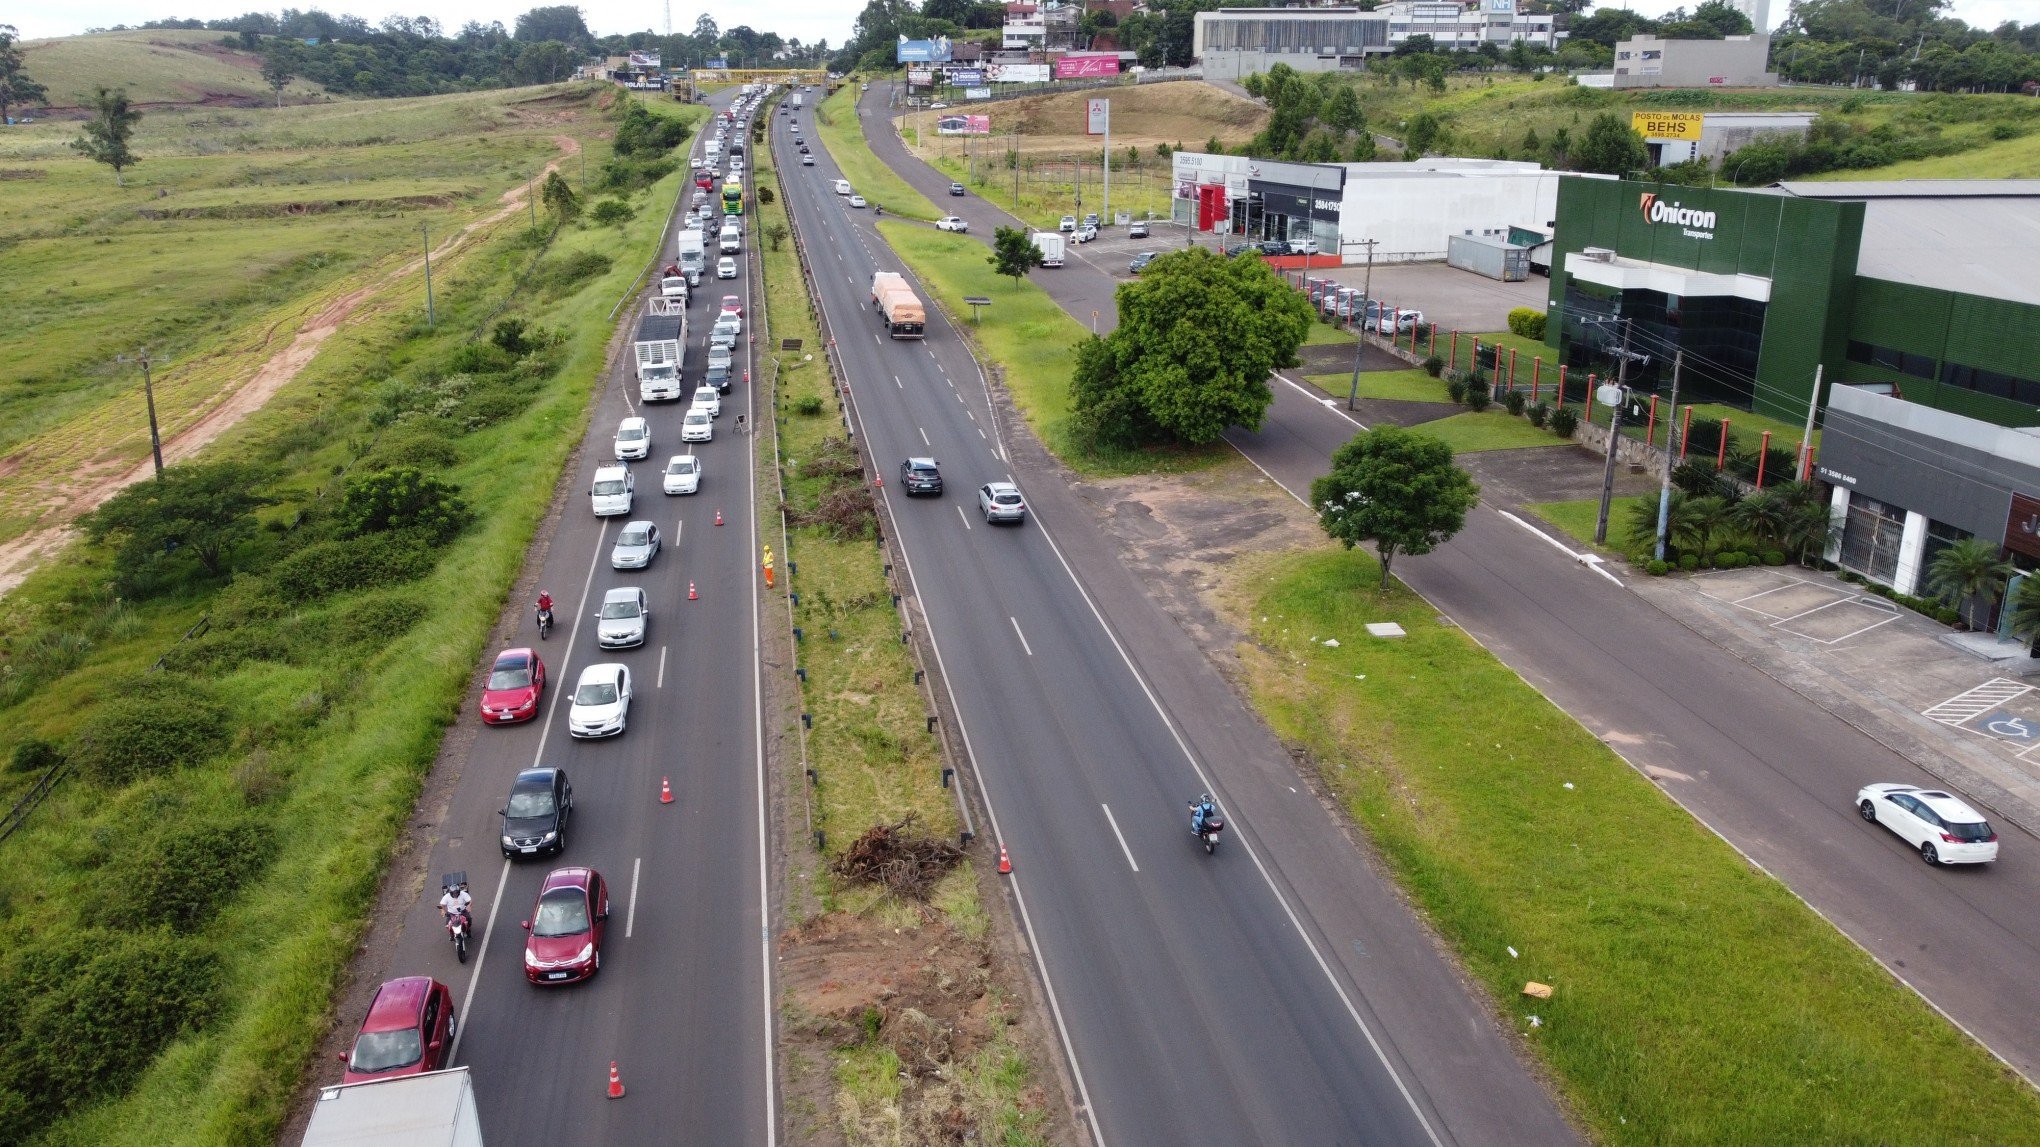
{"type": "Point", "coordinates": [454, 900]}
{"type": "Point", "coordinates": [1201, 812]}
{"type": "Point", "coordinates": [544, 607]}
{"type": "Point", "coordinates": [877, 211]}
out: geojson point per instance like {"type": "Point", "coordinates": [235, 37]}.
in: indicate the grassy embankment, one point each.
{"type": "Point", "coordinates": [235, 227]}
{"type": "Point", "coordinates": [837, 123]}
{"type": "Point", "coordinates": [156, 66]}
{"type": "Point", "coordinates": [876, 760]}
{"type": "Point", "coordinates": [1697, 999]}
{"type": "Point", "coordinates": [332, 700]}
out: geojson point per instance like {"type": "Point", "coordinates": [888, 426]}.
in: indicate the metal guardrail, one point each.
{"type": "Point", "coordinates": [18, 815]}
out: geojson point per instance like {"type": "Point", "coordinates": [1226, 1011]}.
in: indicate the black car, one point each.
{"type": "Point", "coordinates": [718, 376]}
{"type": "Point", "coordinates": [956, 189]}
{"type": "Point", "coordinates": [803, 149]}
{"type": "Point", "coordinates": [1141, 261]}
{"type": "Point", "coordinates": [920, 476]}
{"type": "Point", "coordinates": [801, 140]}
{"type": "Point", "coordinates": [1272, 247]}
{"type": "Point", "coordinates": [535, 819]}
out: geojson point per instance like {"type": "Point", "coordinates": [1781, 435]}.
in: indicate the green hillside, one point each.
{"type": "Point", "coordinates": [156, 67]}
{"type": "Point", "coordinates": [2009, 159]}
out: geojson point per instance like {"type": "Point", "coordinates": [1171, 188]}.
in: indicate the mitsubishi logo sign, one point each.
{"type": "Point", "coordinates": [1694, 222]}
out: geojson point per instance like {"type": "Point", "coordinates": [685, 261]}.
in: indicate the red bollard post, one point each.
{"type": "Point", "coordinates": [1512, 368]}
{"type": "Point", "coordinates": [1452, 363]}
{"type": "Point", "coordinates": [1431, 344]}
{"type": "Point", "coordinates": [1763, 449]}
{"type": "Point", "coordinates": [1650, 426]}
{"type": "Point", "coordinates": [1721, 453]}
{"type": "Point", "coordinates": [1589, 419]}
{"type": "Point", "coordinates": [1536, 374]}
{"type": "Point", "coordinates": [1559, 403]}
{"type": "Point", "coordinates": [1685, 430]}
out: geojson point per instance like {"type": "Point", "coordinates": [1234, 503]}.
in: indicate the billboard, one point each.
{"type": "Point", "coordinates": [719, 63]}
{"type": "Point", "coordinates": [644, 59]}
{"type": "Point", "coordinates": [966, 77]}
{"type": "Point", "coordinates": [977, 93]}
{"type": "Point", "coordinates": [935, 51]}
{"type": "Point", "coordinates": [1076, 67]}
{"type": "Point", "coordinates": [1097, 117]}
{"type": "Point", "coordinates": [1017, 73]}
{"type": "Point", "coordinates": [964, 125]}
{"type": "Point", "coordinates": [920, 77]}
{"type": "Point", "coordinates": [1667, 125]}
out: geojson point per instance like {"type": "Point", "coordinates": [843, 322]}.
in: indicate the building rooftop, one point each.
{"type": "Point", "coordinates": [1975, 236]}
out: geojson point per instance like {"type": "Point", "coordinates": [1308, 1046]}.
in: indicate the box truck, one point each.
{"type": "Point", "coordinates": [693, 257]}
{"type": "Point", "coordinates": [1051, 246]}
{"type": "Point", "coordinates": [660, 345]}
{"type": "Point", "coordinates": [433, 1107]}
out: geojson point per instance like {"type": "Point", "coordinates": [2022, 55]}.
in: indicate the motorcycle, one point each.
{"type": "Point", "coordinates": [458, 925]}
{"type": "Point", "coordinates": [1213, 825]}
{"type": "Point", "coordinates": [545, 623]}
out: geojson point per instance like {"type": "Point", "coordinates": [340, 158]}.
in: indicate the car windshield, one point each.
{"type": "Point", "coordinates": [1973, 830]}
{"type": "Point", "coordinates": [561, 912]}
{"type": "Point", "coordinates": [636, 537]}
{"type": "Point", "coordinates": [514, 678]}
{"type": "Point", "coordinates": [680, 468]}
{"type": "Point", "coordinates": [630, 433]}
{"type": "Point", "coordinates": [529, 803]}
{"type": "Point", "coordinates": [609, 486]}
{"type": "Point", "coordinates": [385, 1051]}
{"type": "Point", "coordinates": [612, 610]}
{"type": "Point", "coordinates": [697, 417]}
{"type": "Point", "coordinates": [596, 693]}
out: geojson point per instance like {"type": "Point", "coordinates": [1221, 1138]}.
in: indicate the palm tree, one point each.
{"type": "Point", "coordinates": [1707, 516]}
{"type": "Point", "coordinates": [1762, 515]}
{"type": "Point", "coordinates": [1809, 525]}
{"type": "Point", "coordinates": [2024, 616]}
{"type": "Point", "coordinates": [1643, 520]}
{"type": "Point", "coordinates": [1967, 571]}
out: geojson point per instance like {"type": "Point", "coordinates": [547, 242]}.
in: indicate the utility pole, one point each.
{"type": "Point", "coordinates": [1620, 400]}
{"type": "Point", "coordinates": [431, 319]}
{"type": "Point", "coordinates": [1360, 332]}
{"type": "Point", "coordinates": [1105, 195]}
{"type": "Point", "coordinates": [1806, 440]}
{"type": "Point", "coordinates": [149, 396]}
{"type": "Point", "coordinates": [1664, 501]}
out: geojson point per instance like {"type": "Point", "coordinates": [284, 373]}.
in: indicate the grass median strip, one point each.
{"type": "Point", "coordinates": [1696, 1000]}
{"type": "Point", "coordinates": [842, 131]}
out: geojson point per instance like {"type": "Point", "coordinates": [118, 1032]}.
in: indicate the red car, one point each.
{"type": "Point", "coordinates": [733, 305]}
{"type": "Point", "coordinates": [409, 1030]}
{"type": "Point", "coordinates": [516, 683]}
{"type": "Point", "coordinates": [566, 927]}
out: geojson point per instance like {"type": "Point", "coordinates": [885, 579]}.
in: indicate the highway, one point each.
{"type": "Point", "coordinates": [1770, 771]}
{"type": "Point", "coordinates": [1278, 992]}
{"type": "Point", "coordinates": [683, 1000]}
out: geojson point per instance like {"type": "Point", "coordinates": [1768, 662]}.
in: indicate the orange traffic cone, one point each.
{"type": "Point", "coordinates": [665, 791]}
{"type": "Point", "coordinates": [615, 1082]}
{"type": "Point", "coordinates": [878, 483]}
{"type": "Point", "coordinates": [718, 517]}
{"type": "Point", "coordinates": [1005, 865]}
{"type": "Point", "coordinates": [691, 595]}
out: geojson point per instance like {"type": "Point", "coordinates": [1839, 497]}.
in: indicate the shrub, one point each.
{"type": "Point", "coordinates": [1689, 562]}
{"type": "Point", "coordinates": [1564, 421]}
{"type": "Point", "coordinates": [423, 443]}
{"type": "Point", "coordinates": [1774, 557]}
{"type": "Point", "coordinates": [1696, 479]}
{"type": "Point", "coordinates": [1455, 388]}
{"type": "Point", "coordinates": [33, 756]}
{"type": "Point", "coordinates": [611, 213]}
{"type": "Point", "coordinates": [403, 498]}
{"type": "Point", "coordinates": [1657, 567]}
{"type": "Point", "coordinates": [765, 195]}
{"type": "Point", "coordinates": [182, 876]}
{"type": "Point", "coordinates": [1947, 615]}
{"type": "Point", "coordinates": [1478, 397]}
{"type": "Point", "coordinates": [1527, 322]}
{"type": "Point", "coordinates": [223, 650]}
{"type": "Point", "coordinates": [558, 276]}
{"type": "Point", "coordinates": [1514, 401]}
{"type": "Point", "coordinates": [151, 724]}
{"type": "Point", "coordinates": [807, 405]}
{"type": "Point", "coordinates": [94, 1008]}
{"type": "Point", "coordinates": [1538, 413]}
{"type": "Point", "coordinates": [363, 563]}
{"type": "Point", "coordinates": [1434, 366]}
{"type": "Point", "coordinates": [375, 621]}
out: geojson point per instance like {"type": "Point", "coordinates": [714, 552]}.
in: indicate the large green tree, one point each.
{"type": "Point", "coordinates": [106, 134]}
{"type": "Point", "coordinates": [561, 22]}
{"type": "Point", "coordinates": [1396, 488]}
{"type": "Point", "coordinates": [1611, 147]}
{"type": "Point", "coordinates": [16, 88]}
{"type": "Point", "coordinates": [1197, 337]}
{"type": "Point", "coordinates": [198, 509]}
{"type": "Point", "coordinates": [279, 66]}
{"type": "Point", "coordinates": [1014, 253]}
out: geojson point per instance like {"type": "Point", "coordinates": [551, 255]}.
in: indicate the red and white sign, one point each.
{"type": "Point", "coordinates": [1097, 117]}
{"type": "Point", "coordinates": [1077, 67]}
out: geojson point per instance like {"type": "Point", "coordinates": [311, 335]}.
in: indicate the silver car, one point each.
{"type": "Point", "coordinates": [635, 547]}
{"type": "Point", "coordinates": [1001, 502]}
{"type": "Point", "coordinates": [622, 620]}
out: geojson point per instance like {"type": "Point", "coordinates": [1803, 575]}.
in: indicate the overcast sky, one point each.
{"type": "Point", "coordinates": [810, 20]}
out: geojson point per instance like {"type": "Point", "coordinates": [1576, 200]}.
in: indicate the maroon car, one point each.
{"type": "Point", "coordinates": [409, 1030]}
{"type": "Point", "coordinates": [566, 927]}
{"type": "Point", "coordinates": [516, 683]}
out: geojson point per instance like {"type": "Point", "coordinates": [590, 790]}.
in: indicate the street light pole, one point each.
{"type": "Point", "coordinates": [1664, 503]}
{"type": "Point", "coordinates": [1360, 332]}
{"type": "Point", "coordinates": [1614, 437]}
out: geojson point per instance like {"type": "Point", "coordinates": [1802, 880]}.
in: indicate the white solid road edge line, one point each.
{"type": "Point", "coordinates": [630, 914]}
{"type": "Point", "coordinates": [1114, 822]}
{"type": "Point", "coordinates": [758, 736]}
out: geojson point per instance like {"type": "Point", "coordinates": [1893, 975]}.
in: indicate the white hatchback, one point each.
{"type": "Point", "coordinates": [683, 474]}
{"type": "Point", "coordinates": [633, 438]}
{"type": "Point", "coordinates": [699, 426]}
{"type": "Point", "coordinates": [1941, 826]}
{"type": "Point", "coordinates": [708, 398]}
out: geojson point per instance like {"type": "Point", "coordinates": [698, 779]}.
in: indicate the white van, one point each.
{"type": "Point", "coordinates": [712, 149]}
{"type": "Point", "coordinates": [842, 187]}
{"type": "Point", "coordinates": [610, 492]}
{"type": "Point", "coordinates": [732, 238]}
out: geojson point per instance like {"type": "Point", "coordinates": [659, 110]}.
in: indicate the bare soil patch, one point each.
{"type": "Point", "coordinates": [1188, 112]}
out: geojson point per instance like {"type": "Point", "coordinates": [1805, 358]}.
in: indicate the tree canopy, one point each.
{"type": "Point", "coordinates": [1611, 147]}
{"type": "Point", "coordinates": [1394, 487]}
{"type": "Point", "coordinates": [196, 509]}
{"type": "Point", "coordinates": [105, 136]}
{"type": "Point", "coordinates": [1197, 337]}
{"type": "Point", "coordinates": [16, 87]}
{"type": "Point", "coordinates": [1014, 253]}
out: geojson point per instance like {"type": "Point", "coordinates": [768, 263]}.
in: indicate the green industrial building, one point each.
{"type": "Point", "coordinates": [1928, 290]}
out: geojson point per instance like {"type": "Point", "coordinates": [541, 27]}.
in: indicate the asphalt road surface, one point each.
{"type": "Point", "coordinates": [1771, 772]}
{"type": "Point", "coordinates": [682, 1002]}
{"type": "Point", "coordinates": [1275, 993]}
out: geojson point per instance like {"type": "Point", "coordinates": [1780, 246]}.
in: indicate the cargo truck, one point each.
{"type": "Point", "coordinates": [796, 101]}
{"type": "Point", "coordinates": [660, 344]}
{"type": "Point", "coordinates": [433, 1107]}
{"type": "Point", "coordinates": [693, 257]}
{"type": "Point", "coordinates": [899, 308]}
{"type": "Point", "coordinates": [1051, 246]}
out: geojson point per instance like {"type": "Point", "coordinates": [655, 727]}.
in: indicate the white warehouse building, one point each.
{"type": "Point", "coordinates": [1408, 211]}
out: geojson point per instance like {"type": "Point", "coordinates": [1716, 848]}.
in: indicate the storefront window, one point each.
{"type": "Point", "coordinates": [1870, 539]}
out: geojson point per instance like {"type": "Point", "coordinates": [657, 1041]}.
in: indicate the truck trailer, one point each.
{"type": "Point", "coordinates": [431, 1109]}
{"type": "Point", "coordinates": [660, 345]}
{"type": "Point", "coordinates": [1050, 244]}
{"type": "Point", "coordinates": [899, 308]}
{"type": "Point", "coordinates": [693, 256]}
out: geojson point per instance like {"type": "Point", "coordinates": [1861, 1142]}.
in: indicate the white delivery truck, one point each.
{"type": "Point", "coordinates": [1050, 244]}
{"type": "Point", "coordinates": [435, 1108]}
{"type": "Point", "coordinates": [796, 101]}
{"type": "Point", "coordinates": [693, 257]}
{"type": "Point", "coordinates": [660, 342]}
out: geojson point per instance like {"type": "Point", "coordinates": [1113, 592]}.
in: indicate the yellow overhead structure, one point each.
{"type": "Point", "coordinates": [758, 75]}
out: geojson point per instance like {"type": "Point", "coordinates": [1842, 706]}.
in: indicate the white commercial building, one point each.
{"type": "Point", "coordinates": [1408, 211]}
{"type": "Point", "coordinates": [1235, 42]}
{"type": "Point", "coordinates": [1735, 62]}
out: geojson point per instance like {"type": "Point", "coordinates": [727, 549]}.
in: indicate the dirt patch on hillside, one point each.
{"type": "Point", "coordinates": [1188, 112]}
{"type": "Point", "coordinates": [88, 487]}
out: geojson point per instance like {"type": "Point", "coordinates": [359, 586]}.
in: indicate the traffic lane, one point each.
{"type": "Point", "coordinates": [1777, 779]}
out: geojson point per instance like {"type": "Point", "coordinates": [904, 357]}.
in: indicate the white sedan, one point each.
{"type": "Point", "coordinates": [601, 706]}
{"type": "Point", "coordinates": [1940, 825]}
{"type": "Point", "coordinates": [952, 223]}
{"type": "Point", "coordinates": [683, 474]}
{"type": "Point", "coordinates": [708, 398]}
{"type": "Point", "coordinates": [726, 268]}
{"type": "Point", "coordinates": [856, 201]}
{"type": "Point", "coordinates": [699, 426]}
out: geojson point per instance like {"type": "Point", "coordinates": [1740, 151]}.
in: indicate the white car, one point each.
{"type": "Point", "coordinates": [601, 706]}
{"type": "Point", "coordinates": [952, 223]}
{"type": "Point", "coordinates": [726, 268]}
{"type": "Point", "coordinates": [683, 474]}
{"type": "Point", "coordinates": [731, 321]}
{"type": "Point", "coordinates": [1941, 826]}
{"type": "Point", "coordinates": [842, 187]}
{"type": "Point", "coordinates": [856, 201]}
{"type": "Point", "coordinates": [1086, 234]}
{"type": "Point", "coordinates": [699, 426]}
{"type": "Point", "coordinates": [1069, 223]}
{"type": "Point", "coordinates": [633, 438]}
{"type": "Point", "coordinates": [623, 618]}
{"type": "Point", "coordinates": [807, 161]}
{"type": "Point", "coordinates": [611, 491]}
{"type": "Point", "coordinates": [708, 398]}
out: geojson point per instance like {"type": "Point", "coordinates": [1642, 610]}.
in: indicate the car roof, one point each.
{"type": "Point", "coordinates": [633, 420]}
{"type": "Point", "coordinates": [566, 878]}
{"type": "Point", "coordinates": [534, 777]}
{"type": "Point", "coordinates": [396, 1004]}
{"type": "Point", "coordinates": [602, 671]}
{"type": "Point", "coordinates": [918, 463]}
{"type": "Point", "coordinates": [513, 658]}
{"type": "Point", "coordinates": [1002, 487]}
{"type": "Point", "coordinates": [622, 593]}
{"type": "Point", "coordinates": [683, 458]}
{"type": "Point", "coordinates": [1947, 804]}
{"type": "Point", "coordinates": [696, 414]}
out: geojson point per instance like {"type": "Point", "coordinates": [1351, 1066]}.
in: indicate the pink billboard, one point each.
{"type": "Point", "coordinates": [1076, 67]}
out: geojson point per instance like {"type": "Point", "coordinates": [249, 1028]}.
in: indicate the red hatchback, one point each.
{"type": "Point", "coordinates": [409, 1030]}
{"type": "Point", "coordinates": [566, 927]}
{"type": "Point", "coordinates": [516, 682]}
